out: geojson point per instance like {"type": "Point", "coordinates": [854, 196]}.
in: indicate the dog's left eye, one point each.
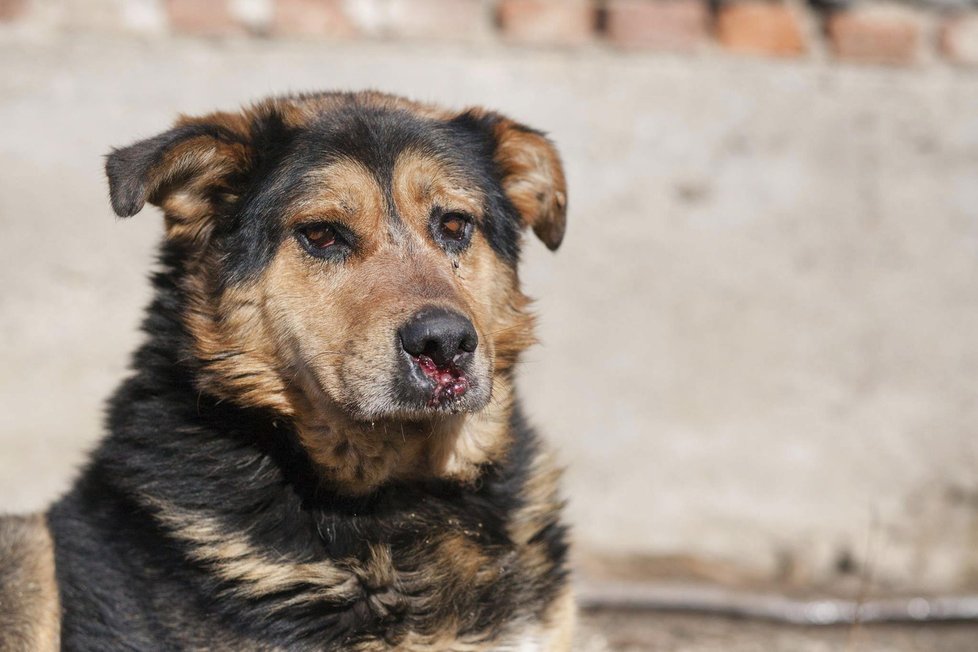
{"type": "Point", "coordinates": [453, 229]}
{"type": "Point", "coordinates": [454, 226]}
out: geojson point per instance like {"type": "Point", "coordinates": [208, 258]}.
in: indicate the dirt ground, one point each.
{"type": "Point", "coordinates": [622, 631]}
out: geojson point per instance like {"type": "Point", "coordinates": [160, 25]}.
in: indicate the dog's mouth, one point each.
{"type": "Point", "coordinates": [450, 382]}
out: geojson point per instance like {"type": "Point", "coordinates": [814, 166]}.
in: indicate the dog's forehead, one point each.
{"type": "Point", "coordinates": [357, 160]}
{"type": "Point", "coordinates": [376, 138]}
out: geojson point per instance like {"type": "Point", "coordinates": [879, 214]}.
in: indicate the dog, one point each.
{"type": "Point", "coordinates": [319, 446]}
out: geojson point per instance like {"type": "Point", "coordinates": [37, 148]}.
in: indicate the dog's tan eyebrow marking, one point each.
{"type": "Point", "coordinates": [421, 181]}
{"type": "Point", "coordinates": [343, 189]}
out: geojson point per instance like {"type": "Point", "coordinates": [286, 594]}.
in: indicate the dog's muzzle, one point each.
{"type": "Point", "coordinates": [438, 346]}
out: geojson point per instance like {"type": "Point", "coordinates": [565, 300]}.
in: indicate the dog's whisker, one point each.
{"type": "Point", "coordinates": [507, 329]}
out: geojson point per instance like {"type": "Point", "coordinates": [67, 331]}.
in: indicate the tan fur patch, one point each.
{"type": "Point", "coordinates": [561, 621]}
{"type": "Point", "coordinates": [239, 362]}
{"type": "Point", "coordinates": [542, 499]}
{"type": "Point", "coordinates": [30, 614]}
{"type": "Point", "coordinates": [252, 572]}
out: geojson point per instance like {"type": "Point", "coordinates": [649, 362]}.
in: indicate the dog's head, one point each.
{"type": "Point", "coordinates": [349, 261]}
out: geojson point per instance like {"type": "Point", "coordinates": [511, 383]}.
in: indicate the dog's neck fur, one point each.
{"type": "Point", "coordinates": [357, 457]}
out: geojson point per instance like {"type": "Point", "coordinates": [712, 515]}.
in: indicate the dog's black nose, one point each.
{"type": "Point", "coordinates": [439, 334]}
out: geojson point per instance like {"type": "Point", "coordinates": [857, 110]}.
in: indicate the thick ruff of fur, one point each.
{"type": "Point", "coordinates": [267, 483]}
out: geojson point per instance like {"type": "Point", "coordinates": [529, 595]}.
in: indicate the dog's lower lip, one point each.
{"type": "Point", "coordinates": [450, 381]}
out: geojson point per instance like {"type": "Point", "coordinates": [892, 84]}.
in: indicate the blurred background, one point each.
{"type": "Point", "coordinates": [759, 354]}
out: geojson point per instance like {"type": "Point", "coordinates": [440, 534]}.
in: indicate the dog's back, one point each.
{"type": "Point", "coordinates": [29, 611]}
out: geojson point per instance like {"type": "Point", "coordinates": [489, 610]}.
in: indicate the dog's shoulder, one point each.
{"type": "Point", "coordinates": [29, 608]}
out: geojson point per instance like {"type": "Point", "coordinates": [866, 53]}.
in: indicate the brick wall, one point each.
{"type": "Point", "coordinates": [872, 33]}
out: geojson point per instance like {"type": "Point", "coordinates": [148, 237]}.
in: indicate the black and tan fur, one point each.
{"type": "Point", "coordinates": [264, 484]}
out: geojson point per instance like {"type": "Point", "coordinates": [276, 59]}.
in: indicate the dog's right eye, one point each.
{"type": "Point", "coordinates": [320, 236]}
{"type": "Point", "coordinates": [321, 239]}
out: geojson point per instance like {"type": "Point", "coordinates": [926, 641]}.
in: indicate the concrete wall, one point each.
{"type": "Point", "coordinates": [759, 341]}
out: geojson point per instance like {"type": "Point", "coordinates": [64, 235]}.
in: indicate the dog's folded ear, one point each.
{"type": "Point", "coordinates": [190, 164]}
{"type": "Point", "coordinates": [532, 174]}
{"type": "Point", "coordinates": [533, 179]}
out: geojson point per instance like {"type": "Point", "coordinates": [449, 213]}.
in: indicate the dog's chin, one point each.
{"type": "Point", "coordinates": [364, 398]}
{"type": "Point", "coordinates": [390, 406]}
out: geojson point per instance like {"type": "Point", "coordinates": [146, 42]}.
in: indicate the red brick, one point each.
{"type": "Point", "coordinates": [324, 18]}
{"type": "Point", "coordinates": [12, 9]}
{"type": "Point", "coordinates": [679, 25]}
{"type": "Point", "coordinates": [202, 17]}
{"type": "Point", "coordinates": [758, 27]}
{"type": "Point", "coordinates": [880, 34]}
{"type": "Point", "coordinates": [959, 39]}
{"type": "Point", "coordinates": [547, 22]}
{"type": "Point", "coordinates": [438, 19]}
